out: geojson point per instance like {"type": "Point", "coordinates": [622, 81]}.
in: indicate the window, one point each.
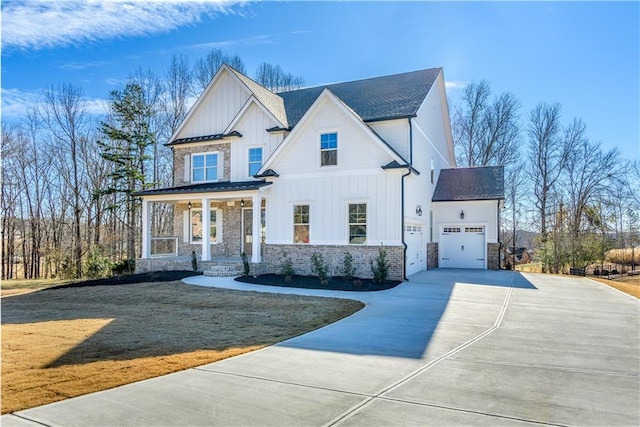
{"type": "Point", "coordinates": [204, 167]}
{"type": "Point", "coordinates": [301, 224]}
{"type": "Point", "coordinates": [433, 172]}
{"type": "Point", "coordinates": [196, 226]}
{"type": "Point", "coordinates": [474, 230]}
{"type": "Point", "coordinates": [329, 149]}
{"type": "Point", "coordinates": [255, 160]}
{"type": "Point", "coordinates": [357, 223]}
{"type": "Point", "coordinates": [451, 230]}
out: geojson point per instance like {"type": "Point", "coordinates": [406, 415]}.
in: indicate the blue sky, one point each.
{"type": "Point", "coordinates": [583, 55]}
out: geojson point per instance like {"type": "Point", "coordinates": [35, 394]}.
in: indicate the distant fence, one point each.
{"type": "Point", "coordinates": [164, 247]}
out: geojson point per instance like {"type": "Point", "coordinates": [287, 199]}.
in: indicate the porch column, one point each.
{"type": "Point", "coordinates": [206, 230]}
{"type": "Point", "coordinates": [257, 220]}
{"type": "Point", "coordinates": [146, 230]}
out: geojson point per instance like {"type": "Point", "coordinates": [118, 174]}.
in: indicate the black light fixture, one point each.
{"type": "Point", "coordinates": [419, 210]}
{"type": "Point", "coordinates": [242, 203]}
{"type": "Point", "coordinates": [189, 204]}
{"type": "Point", "coordinates": [461, 214]}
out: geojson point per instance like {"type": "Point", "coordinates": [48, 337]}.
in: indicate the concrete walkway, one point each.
{"type": "Point", "coordinates": [450, 347]}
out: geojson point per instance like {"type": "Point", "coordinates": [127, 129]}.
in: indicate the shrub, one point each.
{"type": "Point", "coordinates": [194, 261]}
{"type": "Point", "coordinates": [614, 271]}
{"type": "Point", "coordinates": [123, 266]}
{"type": "Point", "coordinates": [319, 266]}
{"type": "Point", "coordinates": [596, 272]}
{"type": "Point", "coordinates": [348, 270]}
{"type": "Point", "coordinates": [605, 272]}
{"type": "Point", "coordinates": [380, 266]}
{"type": "Point", "coordinates": [286, 267]}
{"type": "Point", "coordinates": [97, 265]}
{"type": "Point", "coordinates": [245, 264]}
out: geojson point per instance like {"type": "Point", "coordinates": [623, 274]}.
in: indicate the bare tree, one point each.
{"type": "Point", "coordinates": [486, 133]}
{"type": "Point", "coordinates": [65, 115]}
{"type": "Point", "coordinates": [275, 79]}
{"type": "Point", "coordinates": [205, 68]}
{"type": "Point", "coordinates": [548, 155]}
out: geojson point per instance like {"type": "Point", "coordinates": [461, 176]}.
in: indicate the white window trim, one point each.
{"type": "Point", "coordinates": [293, 223]}
{"type": "Point", "coordinates": [218, 226]}
{"type": "Point", "coordinates": [248, 160]}
{"type": "Point", "coordinates": [358, 202]}
{"type": "Point", "coordinates": [324, 132]}
{"type": "Point", "coordinates": [205, 153]}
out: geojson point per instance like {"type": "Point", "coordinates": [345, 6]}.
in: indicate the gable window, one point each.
{"type": "Point", "coordinates": [255, 160]}
{"type": "Point", "coordinates": [204, 167]}
{"type": "Point", "coordinates": [357, 223]}
{"type": "Point", "coordinates": [329, 149]}
{"type": "Point", "coordinates": [195, 226]}
{"type": "Point", "coordinates": [301, 224]}
{"type": "Point", "coordinates": [433, 172]}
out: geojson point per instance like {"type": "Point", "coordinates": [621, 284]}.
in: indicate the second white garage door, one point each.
{"type": "Point", "coordinates": [462, 247]}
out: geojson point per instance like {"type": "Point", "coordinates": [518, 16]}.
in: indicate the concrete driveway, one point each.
{"type": "Point", "coordinates": [450, 347]}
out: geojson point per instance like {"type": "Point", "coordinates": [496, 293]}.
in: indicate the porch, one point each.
{"type": "Point", "coordinates": [217, 266]}
{"type": "Point", "coordinates": [215, 221]}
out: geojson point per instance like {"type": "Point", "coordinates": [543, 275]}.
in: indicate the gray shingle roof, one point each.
{"type": "Point", "coordinates": [483, 183]}
{"type": "Point", "coordinates": [207, 187]}
{"type": "Point", "coordinates": [378, 98]}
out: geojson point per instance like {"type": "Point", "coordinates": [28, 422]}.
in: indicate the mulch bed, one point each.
{"type": "Point", "coordinates": [312, 282]}
{"type": "Point", "coordinates": [127, 279]}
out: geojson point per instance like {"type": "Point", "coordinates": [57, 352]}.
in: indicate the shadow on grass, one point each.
{"type": "Point", "coordinates": [162, 319]}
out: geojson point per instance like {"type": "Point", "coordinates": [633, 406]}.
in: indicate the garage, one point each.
{"type": "Point", "coordinates": [462, 246]}
{"type": "Point", "coordinates": [416, 249]}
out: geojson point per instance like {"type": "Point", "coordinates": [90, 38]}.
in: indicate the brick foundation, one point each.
{"type": "Point", "coordinates": [493, 256]}
{"type": "Point", "coordinates": [300, 256]}
{"type": "Point", "coordinates": [432, 256]}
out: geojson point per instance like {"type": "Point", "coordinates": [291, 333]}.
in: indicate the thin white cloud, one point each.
{"type": "Point", "coordinates": [16, 103]}
{"type": "Point", "coordinates": [40, 24]}
{"type": "Point", "coordinates": [449, 84]}
{"type": "Point", "coordinates": [82, 65]}
{"type": "Point", "coordinates": [223, 44]}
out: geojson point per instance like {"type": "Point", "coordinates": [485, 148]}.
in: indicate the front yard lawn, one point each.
{"type": "Point", "coordinates": [65, 342]}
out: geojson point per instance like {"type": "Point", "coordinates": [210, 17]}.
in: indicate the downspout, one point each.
{"type": "Point", "coordinates": [404, 244]}
{"type": "Point", "coordinates": [500, 242]}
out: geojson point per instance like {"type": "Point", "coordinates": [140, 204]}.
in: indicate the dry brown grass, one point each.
{"type": "Point", "coordinates": [629, 285]}
{"type": "Point", "coordinates": [63, 343]}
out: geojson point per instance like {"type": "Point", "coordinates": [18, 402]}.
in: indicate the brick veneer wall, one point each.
{"type": "Point", "coordinates": [178, 160]}
{"type": "Point", "coordinates": [432, 256]}
{"type": "Point", "coordinates": [493, 256]}
{"type": "Point", "coordinates": [300, 256]}
{"type": "Point", "coordinates": [231, 240]}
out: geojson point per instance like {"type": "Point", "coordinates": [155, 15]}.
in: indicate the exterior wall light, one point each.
{"type": "Point", "coordinates": [189, 204]}
{"type": "Point", "coordinates": [461, 214]}
{"type": "Point", "coordinates": [419, 210]}
{"type": "Point", "coordinates": [242, 203]}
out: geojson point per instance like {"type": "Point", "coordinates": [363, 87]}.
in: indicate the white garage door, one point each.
{"type": "Point", "coordinates": [462, 247]}
{"type": "Point", "coordinates": [416, 249]}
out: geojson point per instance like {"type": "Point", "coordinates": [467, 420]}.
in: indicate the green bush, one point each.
{"type": "Point", "coordinates": [380, 266]}
{"type": "Point", "coordinates": [245, 264]}
{"type": "Point", "coordinates": [97, 265]}
{"type": "Point", "coordinates": [348, 270]}
{"type": "Point", "coordinates": [194, 261]}
{"type": "Point", "coordinates": [286, 266]}
{"type": "Point", "coordinates": [123, 266]}
{"type": "Point", "coordinates": [319, 266]}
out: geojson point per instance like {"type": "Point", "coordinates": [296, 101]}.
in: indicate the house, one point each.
{"type": "Point", "coordinates": [346, 167]}
{"type": "Point", "coordinates": [517, 256]}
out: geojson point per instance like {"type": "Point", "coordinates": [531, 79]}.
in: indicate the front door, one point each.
{"type": "Point", "coordinates": [247, 231]}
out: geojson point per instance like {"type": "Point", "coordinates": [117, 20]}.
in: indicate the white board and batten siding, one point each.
{"type": "Point", "coordinates": [357, 178]}
{"type": "Point", "coordinates": [217, 109]}
{"type": "Point", "coordinates": [252, 125]}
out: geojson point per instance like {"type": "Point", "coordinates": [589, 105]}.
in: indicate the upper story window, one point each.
{"type": "Point", "coordinates": [255, 160]}
{"type": "Point", "coordinates": [204, 167]}
{"type": "Point", "coordinates": [301, 224]}
{"type": "Point", "coordinates": [329, 149]}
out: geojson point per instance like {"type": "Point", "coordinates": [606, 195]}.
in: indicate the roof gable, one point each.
{"type": "Point", "coordinates": [348, 112]}
{"type": "Point", "coordinates": [483, 183]}
{"type": "Point", "coordinates": [378, 98]}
